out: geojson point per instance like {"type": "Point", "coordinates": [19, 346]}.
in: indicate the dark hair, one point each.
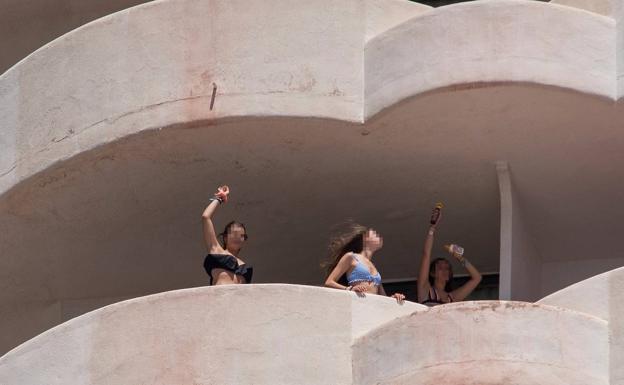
{"type": "Point", "coordinates": [226, 231]}
{"type": "Point", "coordinates": [449, 284]}
{"type": "Point", "coordinates": [349, 240]}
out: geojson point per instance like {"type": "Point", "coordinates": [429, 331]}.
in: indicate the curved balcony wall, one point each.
{"type": "Point", "coordinates": [285, 334]}
{"type": "Point", "coordinates": [129, 73]}
{"type": "Point", "coordinates": [252, 334]}
{"type": "Point", "coordinates": [491, 42]}
{"type": "Point", "coordinates": [486, 343]}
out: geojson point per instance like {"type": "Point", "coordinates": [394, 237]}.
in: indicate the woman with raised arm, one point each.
{"type": "Point", "coordinates": [350, 265]}
{"type": "Point", "coordinates": [435, 277]}
{"type": "Point", "coordinates": [222, 263]}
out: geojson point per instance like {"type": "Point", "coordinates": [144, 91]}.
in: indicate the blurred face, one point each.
{"type": "Point", "coordinates": [236, 236]}
{"type": "Point", "coordinates": [442, 271]}
{"type": "Point", "coordinates": [372, 240]}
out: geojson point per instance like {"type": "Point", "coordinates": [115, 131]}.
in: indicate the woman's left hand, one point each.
{"type": "Point", "coordinates": [399, 297]}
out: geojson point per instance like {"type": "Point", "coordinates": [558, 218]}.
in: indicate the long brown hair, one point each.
{"type": "Point", "coordinates": [351, 239]}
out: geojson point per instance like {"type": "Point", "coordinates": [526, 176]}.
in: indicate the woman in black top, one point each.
{"type": "Point", "coordinates": [435, 277]}
{"type": "Point", "coordinates": [222, 263]}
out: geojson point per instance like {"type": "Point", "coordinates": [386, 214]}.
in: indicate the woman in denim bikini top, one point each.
{"type": "Point", "coordinates": [360, 273]}
{"type": "Point", "coordinates": [349, 266]}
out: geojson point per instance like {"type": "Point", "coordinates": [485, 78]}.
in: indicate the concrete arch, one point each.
{"type": "Point", "coordinates": [491, 41]}
{"type": "Point", "coordinates": [100, 103]}
{"type": "Point", "coordinates": [486, 343]}
{"type": "Point", "coordinates": [130, 73]}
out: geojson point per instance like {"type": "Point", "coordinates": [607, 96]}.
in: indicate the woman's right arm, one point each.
{"type": "Point", "coordinates": [423, 274]}
{"type": "Point", "coordinates": [210, 237]}
{"type": "Point", "coordinates": [341, 268]}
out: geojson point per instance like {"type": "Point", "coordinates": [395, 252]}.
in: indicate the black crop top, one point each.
{"type": "Point", "coordinates": [229, 263]}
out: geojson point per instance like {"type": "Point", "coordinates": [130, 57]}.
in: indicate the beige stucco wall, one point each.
{"type": "Point", "coordinates": [252, 334]}
{"type": "Point", "coordinates": [284, 75]}
{"type": "Point", "coordinates": [287, 75]}
{"type": "Point", "coordinates": [491, 41]}
{"type": "Point", "coordinates": [29, 24]}
{"type": "Point", "coordinates": [486, 343]}
{"type": "Point", "coordinates": [600, 296]}
{"type": "Point", "coordinates": [286, 334]}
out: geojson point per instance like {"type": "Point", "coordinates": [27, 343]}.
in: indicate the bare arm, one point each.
{"type": "Point", "coordinates": [210, 237]}
{"type": "Point", "coordinates": [464, 291]}
{"type": "Point", "coordinates": [341, 268]}
{"type": "Point", "coordinates": [423, 275]}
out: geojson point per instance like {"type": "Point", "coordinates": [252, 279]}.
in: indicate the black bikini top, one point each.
{"type": "Point", "coordinates": [229, 263]}
{"type": "Point", "coordinates": [435, 299]}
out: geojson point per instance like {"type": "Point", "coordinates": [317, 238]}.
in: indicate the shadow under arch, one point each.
{"type": "Point", "coordinates": [478, 85]}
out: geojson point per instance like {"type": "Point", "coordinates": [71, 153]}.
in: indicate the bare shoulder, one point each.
{"type": "Point", "coordinates": [348, 258]}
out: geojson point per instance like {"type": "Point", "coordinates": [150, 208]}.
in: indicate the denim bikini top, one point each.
{"type": "Point", "coordinates": [360, 273]}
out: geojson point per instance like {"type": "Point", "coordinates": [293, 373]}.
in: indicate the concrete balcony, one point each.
{"type": "Point", "coordinates": [288, 334]}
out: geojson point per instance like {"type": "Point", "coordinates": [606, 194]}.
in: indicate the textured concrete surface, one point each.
{"type": "Point", "coordinates": [288, 334]}
{"type": "Point", "coordinates": [27, 25]}
{"type": "Point", "coordinates": [486, 342]}
{"type": "Point", "coordinates": [491, 41]}
{"type": "Point", "coordinates": [248, 334]}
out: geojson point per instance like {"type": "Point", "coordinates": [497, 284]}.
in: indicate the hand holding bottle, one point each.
{"type": "Point", "coordinates": [456, 250]}
{"type": "Point", "coordinates": [436, 215]}
{"type": "Point", "coordinates": [222, 193]}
